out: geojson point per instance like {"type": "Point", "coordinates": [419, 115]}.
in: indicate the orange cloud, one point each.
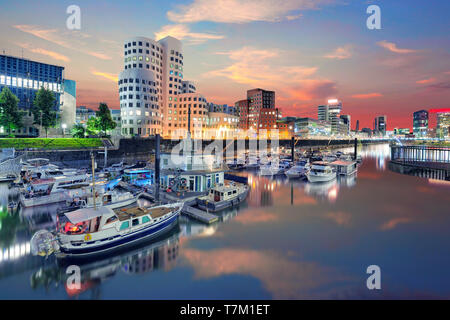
{"type": "Point", "coordinates": [45, 52]}
{"type": "Point", "coordinates": [393, 47]}
{"type": "Point", "coordinates": [109, 76]}
{"type": "Point", "coordinates": [367, 95]}
{"type": "Point", "coordinates": [425, 81]}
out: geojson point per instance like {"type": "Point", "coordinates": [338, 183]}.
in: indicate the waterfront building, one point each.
{"type": "Point", "coordinates": [187, 87]}
{"type": "Point", "coordinates": [285, 128]}
{"type": "Point", "coordinates": [401, 131]}
{"type": "Point", "coordinates": [420, 123]}
{"type": "Point", "coordinates": [68, 104]}
{"type": "Point", "coordinates": [24, 78]}
{"type": "Point", "coordinates": [380, 125]}
{"type": "Point", "coordinates": [221, 125]}
{"type": "Point", "coordinates": [310, 128]}
{"type": "Point", "coordinates": [357, 126]}
{"type": "Point", "coordinates": [345, 124]}
{"type": "Point", "coordinates": [258, 112]}
{"type": "Point", "coordinates": [331, 113]}
{"type": "Point", "coordinates": [115, 115]}
{"type": "Point", "coordinates": [150, 85]}
{"type": "Point", "coordinates": [83, 114]}
{"type": "Point", "coordinates": [443, 123]}
{"type": "Point", "coordinates": [367, 131]}
{"type": "Point", "coordinates": [242, 109]}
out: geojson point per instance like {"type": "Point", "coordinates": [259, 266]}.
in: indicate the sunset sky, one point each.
{"type": "Point", "coordinates": [305, 50]}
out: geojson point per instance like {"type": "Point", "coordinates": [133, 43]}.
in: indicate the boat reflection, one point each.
{"type": "Point", "coordinates": [159, 254]}
{"type": "Point", "coordinates": [323, 190]}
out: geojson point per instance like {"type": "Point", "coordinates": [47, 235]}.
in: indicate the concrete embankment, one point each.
{"type": "Point", "coordinates": [136, 149]}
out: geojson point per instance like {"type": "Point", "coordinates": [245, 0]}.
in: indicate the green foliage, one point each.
{"type": "Point", "coordinates": [48, 143]}
{"type": "Point", "coordinates": [43, 109]}
{"type": "Point", "coordinates": [104, 119]}
{"type": "Point", "coordinates": [10, 115]}
{"type": "Point", "coordinates": [92, 126]}
{"type": "Point", "coordinates": [78, 131]}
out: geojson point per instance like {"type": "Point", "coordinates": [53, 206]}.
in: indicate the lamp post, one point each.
{"type": "Point", "coordinates": [64, 126]}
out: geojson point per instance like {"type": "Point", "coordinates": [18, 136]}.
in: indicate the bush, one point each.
{"type": "Point", "coordinates": [49, 143]}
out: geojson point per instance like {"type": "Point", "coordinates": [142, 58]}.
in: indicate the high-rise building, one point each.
{"type": "Point", "coordinates": [151, 85]}
{"type": "Point", "coordinates": [331, 113]}
{"type": "Point", "coordinates": [346, 121]}
{"type": "Point", "coordinates": [258, 110]}
{"type": "Point", "coordinates": [380, 125]}
{"type": "Point", "coordinates": [24, 78]}
{"type": "Point", "coordinates": [443, 123]}
{"type": "Point", "coordinates": [357, 126]}
{"type": "Point", "coordinates": [420, 123]}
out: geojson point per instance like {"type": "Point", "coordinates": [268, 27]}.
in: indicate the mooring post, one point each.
{"type": "Point", "coordinates": [293, 149]}
{"type": "Point", "coordinates": [356, 149]}
{"type": "Point", "coordinates": [157, 165]}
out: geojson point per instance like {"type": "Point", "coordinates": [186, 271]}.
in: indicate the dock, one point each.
{"type": "Point", "coordinates": [198, 214]}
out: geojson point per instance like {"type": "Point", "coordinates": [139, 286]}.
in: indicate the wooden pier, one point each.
{"type": "Point", "coordinates": [198, 214]}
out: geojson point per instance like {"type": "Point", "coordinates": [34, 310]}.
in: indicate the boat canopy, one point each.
{"type": "Point", "coordinates": [86, 214]}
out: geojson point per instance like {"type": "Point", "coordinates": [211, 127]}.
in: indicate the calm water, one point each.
{"type": "Point", "coordinates": [290, 240]}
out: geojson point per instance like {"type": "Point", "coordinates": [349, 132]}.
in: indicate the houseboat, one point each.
{"type": "Point", "coordinates": [344, 167]}
{"type": "Point", "coordinates": [223, 196]}
{"type": "Point", "coordinates": [88, 231]}
{"type": "Point", "coordinates": [321, 172]}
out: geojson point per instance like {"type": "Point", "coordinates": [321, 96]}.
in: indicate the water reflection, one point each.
{"type": "Point", "coordinates": [290, 239]}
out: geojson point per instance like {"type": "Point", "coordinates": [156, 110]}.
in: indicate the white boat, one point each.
{"type": "Point", "coordinates": [272, 169]}
{"type": "Point", "coordinates": [89, 231]}
{"type": "Point", "coordinates": [111, 199]}
{"type": "Point", "coordinates": [223, 196]}
{"type": "Point", "coordinates": [320, 172]}
{"type": "Point", "coordinates": [40, 192]}
{"type": "Point", "coordinates": [298, 170]}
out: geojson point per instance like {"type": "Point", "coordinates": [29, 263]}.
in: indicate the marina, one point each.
{"type": "Point", "coordinates": [287, 208]}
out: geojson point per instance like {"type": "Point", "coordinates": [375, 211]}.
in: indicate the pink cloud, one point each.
{"type": "Point", "coordinates": [425, 81]}
{"type": "Point", "coordinates": [340, 53]}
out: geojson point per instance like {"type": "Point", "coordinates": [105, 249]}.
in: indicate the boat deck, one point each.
{"type": "Point", "coordinates": [126, 214]}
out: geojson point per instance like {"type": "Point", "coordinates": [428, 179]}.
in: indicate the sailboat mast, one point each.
{"type": "Point", "coordinates": [93, 181]}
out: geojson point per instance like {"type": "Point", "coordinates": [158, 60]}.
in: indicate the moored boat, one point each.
{"type": "Point", "coordinates": [223, 196]}
{"type": "Point", "coordinates": [320, 172]}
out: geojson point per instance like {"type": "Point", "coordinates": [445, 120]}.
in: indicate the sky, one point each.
{"type": "Point", "coordinates": [307, 51]}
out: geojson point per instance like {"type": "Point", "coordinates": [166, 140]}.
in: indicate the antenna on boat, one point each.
{"type": "Point", "coordinates": [93, 181]}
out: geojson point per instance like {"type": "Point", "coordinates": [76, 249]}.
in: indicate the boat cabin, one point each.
{"type": "Point", "coordinates": [321, 167]}
{"type": "Point", "coordinates": [344, 167]}
{"type": "Point", "coordinates": [223, 192]}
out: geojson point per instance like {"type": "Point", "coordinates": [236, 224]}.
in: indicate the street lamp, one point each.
{"type": "Point", "coordinates": [64, 126]}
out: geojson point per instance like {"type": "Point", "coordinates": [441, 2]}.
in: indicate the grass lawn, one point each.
{"type": "Point", "coordinates": [50, 143]}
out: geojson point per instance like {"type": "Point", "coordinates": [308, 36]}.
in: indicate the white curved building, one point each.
{"type": "Point", "coordinates": [149, 85]}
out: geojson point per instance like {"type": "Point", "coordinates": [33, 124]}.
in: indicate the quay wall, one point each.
{"type": "Point", "coordinates": [135, 149]}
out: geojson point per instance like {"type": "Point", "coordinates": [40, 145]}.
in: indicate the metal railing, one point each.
{"type": "Point", "coordinates": [420, 154]}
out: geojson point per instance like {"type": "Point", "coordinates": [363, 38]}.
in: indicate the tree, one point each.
{"type": "Point", "coordinates": [92, 126]}
{"type": "Point", "coordinates": [43, 112]}
{"type": "Point", "coordinates": [104, 119]}
{"type": "Point", "coordinates": [10, 115]}
{"type": "Point", "coordinates": [78, 131]}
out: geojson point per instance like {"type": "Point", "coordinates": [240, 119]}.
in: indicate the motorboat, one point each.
{"type": "Point", "coordinates": [223, 196]}
{"type": "Point", "coordinates": [320, 172]}
{"type": "Point", "coordinates": [273, 169]}
{"type": "Point", "coordinates": [93, 231]}
{"type": "Point", "coordinates": [298, 170]}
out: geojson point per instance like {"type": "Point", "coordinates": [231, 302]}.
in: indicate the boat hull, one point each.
{"type": "Point", "coordinates": [321, 178]}
{"type": "Point", "coordinates": [121, 241]}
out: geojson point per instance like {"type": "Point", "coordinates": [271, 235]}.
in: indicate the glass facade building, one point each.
{"type": "Point", "coordinates": [24, 77]}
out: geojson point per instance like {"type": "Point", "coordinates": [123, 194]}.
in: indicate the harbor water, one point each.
{"type": "Point", "coordinates": [289, 240]}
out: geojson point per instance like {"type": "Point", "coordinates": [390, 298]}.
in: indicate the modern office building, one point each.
{"type": "Point", "coordinates": [345, 123]}
{"type": "Point", "coordinates": [442, 123]}
{"type": "Point", "coordinates": [309, 127]}
{"type": "Point", "coordinates": [24, 78]}
{"type": "Point", "coordinates": [258, 111]}
{"type": "Point", "coordinates": [68, 104]}
{"type": "Point", "coordinates": [420, 123]}
{"type": "Point", "coordinates": [150, 86]}
{"type": "Point", "coordinates": [380, 125]}
{"type": "Point", "coordinates": [331, 113]}
{"type": "Point", "coordinates": [357, 126]}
